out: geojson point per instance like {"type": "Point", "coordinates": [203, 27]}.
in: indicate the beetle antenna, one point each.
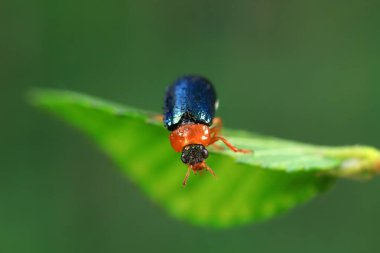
{"type": "Point", "coordinates": [186, 177]}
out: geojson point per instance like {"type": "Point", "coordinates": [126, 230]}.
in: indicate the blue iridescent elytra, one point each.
{"type": "Point", "coordinates": [189, 99]}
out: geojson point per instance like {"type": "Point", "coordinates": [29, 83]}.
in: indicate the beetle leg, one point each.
{"type": "Point", "coordinates": [229, 145]}
{"type": "Point", "coordinates": [216, 126]}
{"type": "Point", "coordinates": [215, 130]}
{"type": "Point", "coordinates": [158, 117]}
{"type": "Point", "coordinates": [217, 146]}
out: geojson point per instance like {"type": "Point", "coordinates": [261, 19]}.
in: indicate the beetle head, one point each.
{"type": "Point", "coordinates": [194, 154]}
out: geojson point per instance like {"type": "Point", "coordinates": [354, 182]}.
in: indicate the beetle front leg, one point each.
{"type": "Point", "coordinates": [229, 145]}
{"type": "Point", "coordinates": [186, 176]}
{"type": "Point", "coordinates": [215, 130]}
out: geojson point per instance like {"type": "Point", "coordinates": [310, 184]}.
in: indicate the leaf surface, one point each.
{"type": "Point", "coordinates": [249, 187]}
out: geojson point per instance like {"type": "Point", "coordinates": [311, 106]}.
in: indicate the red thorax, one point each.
{"type": "Point", "coordinates": [190, 134]}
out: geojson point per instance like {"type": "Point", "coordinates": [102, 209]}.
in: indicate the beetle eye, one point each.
{"type": "Point", "coordinates": [184, 158]}
{"type": "Point", "coordinates": [205, 153]}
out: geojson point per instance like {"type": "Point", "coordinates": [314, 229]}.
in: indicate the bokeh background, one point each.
{"type": "Point", "coordinates": [303, 70]}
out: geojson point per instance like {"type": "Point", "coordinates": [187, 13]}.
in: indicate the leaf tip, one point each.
{"type": "Point", "coordinates": [38, 96]}
{"type": "Point", "coordinates": [32, 96]}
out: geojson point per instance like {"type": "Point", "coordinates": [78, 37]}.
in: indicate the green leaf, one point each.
{"type": "Point", "coordinates": [248, 188]}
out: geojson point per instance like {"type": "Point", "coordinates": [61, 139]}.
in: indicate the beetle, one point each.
{"type": "Point", "coordinates": [189, 113]}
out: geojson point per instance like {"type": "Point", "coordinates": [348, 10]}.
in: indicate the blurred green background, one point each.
{"type": "Point", "coordinates": [303, 70]}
